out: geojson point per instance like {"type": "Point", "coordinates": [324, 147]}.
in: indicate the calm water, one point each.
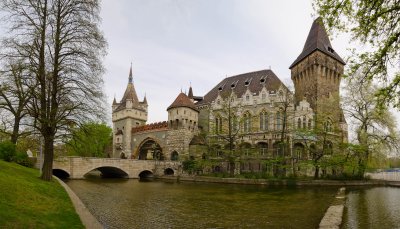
{"type": "Point", "coordinates": [377, 207]}
{"type": "Point", "coordinates": [134, 204]}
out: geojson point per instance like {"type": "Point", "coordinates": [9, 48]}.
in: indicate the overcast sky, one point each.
{"type": "Point", "coordinates": [173, 43]}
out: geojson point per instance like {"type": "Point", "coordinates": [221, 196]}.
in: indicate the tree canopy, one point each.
{"type": "Point", "coordinates": [376, 25]}
{"type": "Point", "coordinates": [90, 140]}
{"type": "Point", "coordinates": [60, 43]}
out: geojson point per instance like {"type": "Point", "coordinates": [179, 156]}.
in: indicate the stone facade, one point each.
{"type": "Point", "coordinates": [256, 109]}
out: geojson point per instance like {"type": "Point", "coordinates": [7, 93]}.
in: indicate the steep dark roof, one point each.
{"type": "Point", "coordinates": [190, 94]}
{"type": "Point", "coordinates": [238, 85]}
{"type": "Point", "coordinates": [197, 140]}
{"type": "Point", "coordinates": [182, 101]}
{"type": "Point", "coordinates": [130, 93]}
{"type": "Point", "coordinates": [317, 40]}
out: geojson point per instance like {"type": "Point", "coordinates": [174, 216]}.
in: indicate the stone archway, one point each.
{"type": "Point", "coordinates": [149, 149]}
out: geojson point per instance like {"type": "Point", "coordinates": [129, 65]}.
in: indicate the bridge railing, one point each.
{"type": "Point", "coordinates": [388, 176]}
{"type": "Point", "coordinates": [157, 162]}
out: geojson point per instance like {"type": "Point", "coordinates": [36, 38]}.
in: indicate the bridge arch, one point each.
{"type": "Point", "coordinates": [146, 174]}
{"type": "Point", "coordinates": [149, 149]}
{"type": "Point", "coordinates": [169, 172]}
{"type": "Point", "coordinates": [109, 172]}
{"type": "Point", "coordinates": [61, 173]}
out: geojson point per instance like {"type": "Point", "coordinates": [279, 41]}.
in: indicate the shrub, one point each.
{"type": "Point", "coordinates": [23, 159]}
{"type": "Point", "coordinates": [7, 151]}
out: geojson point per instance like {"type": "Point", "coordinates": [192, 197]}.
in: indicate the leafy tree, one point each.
{"type": "Point", "coordinates": [374, 125]}
{"type": "Point", "coordinates": [377, 25]}
{"type": "Point", "coordinates": [7, 151]}
{"type": "Point", "coordinates": [61, 43]}
{"type": "Point", "coordinates": [90, 140]}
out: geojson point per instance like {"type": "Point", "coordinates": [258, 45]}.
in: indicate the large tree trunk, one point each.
{"type": "Point", "coordinates": [15, 133]}
{"type": "Point", "coordinates": [47, 169]}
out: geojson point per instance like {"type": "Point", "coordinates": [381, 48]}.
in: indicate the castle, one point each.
{"type": "Point", "coordinates": [253, 111]}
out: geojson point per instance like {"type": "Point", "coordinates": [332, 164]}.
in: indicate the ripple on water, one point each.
{"type": "Point", "coordinates": [377, 207]}
{"type": "Point", "coordinates": [133, 204]}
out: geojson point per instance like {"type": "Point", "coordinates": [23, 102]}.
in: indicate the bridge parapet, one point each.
{"type": "Point", "coordinates": [78, 167]}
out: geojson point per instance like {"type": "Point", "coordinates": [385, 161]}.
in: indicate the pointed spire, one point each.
{"type": "Point", "coordinates": [190, 95]}
{"type": "Point", "coordinates": [114, 101]}
{"type": "Point", "coordinates": [317, 39]}
{"type": "Point", "coordinates": [145, 99]}
{"type": "Point", "coordinates": [130, 75]}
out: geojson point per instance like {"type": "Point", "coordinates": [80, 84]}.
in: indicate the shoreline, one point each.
{"type": "Point", "coordinates": [87, 218]}
{"type": "Point", "coordinates": [283, 182]}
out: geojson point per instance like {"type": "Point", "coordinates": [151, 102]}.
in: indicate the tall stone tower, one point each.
{"type": "Point", "coordinates": [316, 74]}
{"type": "Point", "coordinates": [128, 113]}
{"type": "Point", "coordinates": [183, 119]}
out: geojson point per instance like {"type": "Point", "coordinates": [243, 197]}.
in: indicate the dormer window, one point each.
{"type": "Point", "coordinates": [233, 85]}
{"type": "Point", "coordinates": [221, 87]}
{"type": "Point", "coordinates": [263, 79]}
{"type": "Point", "coordinates": [247, 97]}
{"type": "Point", "coordinates": [247, 82]}
{"type": "Point", "coordinates": [331, 49]}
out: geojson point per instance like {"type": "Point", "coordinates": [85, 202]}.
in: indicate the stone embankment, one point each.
{"type": "Point", "coordinates": [333, 216]}
{"type": "Point", "coordinates": [88, 220]}
{"type": "Point", "coordinates": [288, 182]}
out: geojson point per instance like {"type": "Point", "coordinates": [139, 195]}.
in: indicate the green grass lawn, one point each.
{"type": "Point", "coordinates": [28, 202]}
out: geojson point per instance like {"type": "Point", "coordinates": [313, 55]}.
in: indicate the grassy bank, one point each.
{"type": "Point", "coordinates": [28, 202]}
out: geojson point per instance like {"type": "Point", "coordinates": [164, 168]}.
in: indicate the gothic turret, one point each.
{"type": "Point", "coordinates": [316, 74]}
{"type": "Point", "coordinates": [182, 113]}
{"type": "Point", "coordinates": [127, 114]}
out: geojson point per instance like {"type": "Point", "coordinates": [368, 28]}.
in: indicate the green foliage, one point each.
{"type": "Point", "coordinates": [23, 159]}
{"type": "Point", "coordinates": [189, 165]}
{"type": "Point", "coordinates": [28, 202]}
{"type": "Point", "coordinates": [7, 151]}
{"type": "Point", "coordinates": [90, 140]}
{"type": "Point", "coordinates": [375, 24]}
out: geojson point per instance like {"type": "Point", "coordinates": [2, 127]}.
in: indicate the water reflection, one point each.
{"type": "Point", "coordinates": [377, 207]}
{"type": "Point", "coordinates": [122, 203]}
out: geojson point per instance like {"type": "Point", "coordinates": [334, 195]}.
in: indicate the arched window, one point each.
{"type": "Point", "coordinates": [298, 123]}
{"type": "Point", "coordinates": [263, 120]}
{"type": "Point", "coordinates": [304, 122]}
{"type": "Point", "coordinates": [218, 125]}
{"type": "Point", "coordinates": [174, 156]}
{"type": "Point", "coordinates": [278, 121]}
{"type": "Point", "coordinates": [234, 123]}
{"type": "Point", "coordinates": [246, 123]}
{"type": "Point", "coordinates": [328, 125]}
{"type": "Point", "coordinates": [310, 124]}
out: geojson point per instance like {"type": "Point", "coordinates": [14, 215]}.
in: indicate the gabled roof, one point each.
{"type": "Point", "coordinates": [182, 101]}
{"type": "Point", "coordinates": [240, 83]}
{"type": "Point", "coordinates": [317, 40]}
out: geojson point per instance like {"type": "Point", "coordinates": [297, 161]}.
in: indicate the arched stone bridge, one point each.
{"type": "Point", "coordinates": [78, 167]}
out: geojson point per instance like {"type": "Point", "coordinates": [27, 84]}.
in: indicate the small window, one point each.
{"type": "Point", "coordinates": [263, 96]}
{"type": "Point", "coordinates": [247, 98]}
{"type": "Point", "coordinates": [218, 102]}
